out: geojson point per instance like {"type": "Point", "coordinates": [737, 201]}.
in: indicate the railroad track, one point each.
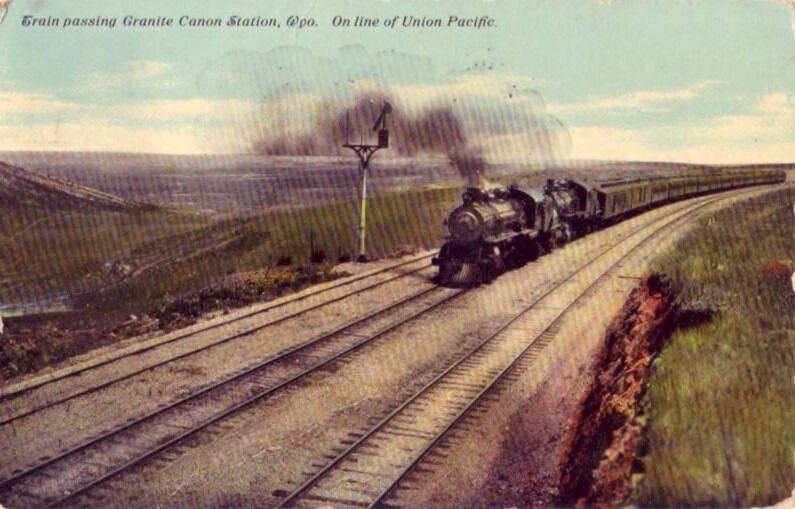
{"type": "Point", "coordinates": [116, 451]}
{"type": "Point", "coordinates": [87, 388]}
{"type": "Point", "coordinates": [60, 478]}
{"type": "Point", "coordinates": [361, 475]}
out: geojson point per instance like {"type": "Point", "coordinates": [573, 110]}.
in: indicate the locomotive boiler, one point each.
{"type": "Point", "coordinates": [502, 228]}
{"type": "Point", "coordinates": [493, 230]}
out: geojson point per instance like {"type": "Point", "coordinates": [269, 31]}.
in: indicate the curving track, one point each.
{"type": "Point", "coordinates": [360, 475]}
{"type": "Point", "coordinates": [60, 478]}
{"type": "Point", "coordinates": [367, 472]}
{"type": "Point", "coordinates": [114, 369]}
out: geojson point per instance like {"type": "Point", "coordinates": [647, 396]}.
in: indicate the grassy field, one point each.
{"type": "Point", "coordinates": [324, 233]}
{"type": "Point", "coordinates": [721, 401]}
{"type": "Point", "coordinates": [49, 252]}
{"type": "Point", "coordinates": [167, 267]}
{"type": "Point", "coordinates": [164, 254]}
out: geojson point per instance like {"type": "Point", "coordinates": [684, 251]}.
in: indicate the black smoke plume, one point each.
{"type": "Point", "coordinates": [436, 130]}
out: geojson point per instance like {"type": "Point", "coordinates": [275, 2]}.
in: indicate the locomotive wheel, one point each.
{"type": "Point", "coordinates": [567, 235]}
{"type": "Point", "coordinates": [488, 272]}
{"type": "Point", "coordinates": [532, 251]}
{"type": "Point", "coordinates": [511, 259]}
{"type": "Point", "coordinates": [545, 245]}
{"type": "Point", "coordinates": [526, 250]}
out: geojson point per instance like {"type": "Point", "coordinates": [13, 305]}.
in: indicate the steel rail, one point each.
{"type": "Point", "coordinates": [200, 349]}
{"type": "Point", "coordinates": [500, 377]}
{"type": "Point", "coordinates": [329, 467]}
{"type": "Point", "coordinates": [298, 298]}
{"type": "Point", "coordinates": [10, 483]}
{"type": "Point", "coordinates": [245, 404]}
{"type": "Point", "coordinates": [279, 356]}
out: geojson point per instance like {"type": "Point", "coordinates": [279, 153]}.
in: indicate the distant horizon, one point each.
{"type": "Point", "coordinates": [428, 157]}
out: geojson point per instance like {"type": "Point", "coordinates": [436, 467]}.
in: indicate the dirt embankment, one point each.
{"type": "Point", "coordinates": [604, 436]}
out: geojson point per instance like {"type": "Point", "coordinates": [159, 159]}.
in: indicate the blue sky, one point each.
{"type": "Point", "coordinates": [700, 80]}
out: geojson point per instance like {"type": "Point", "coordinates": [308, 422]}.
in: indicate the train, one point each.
{"type": "Point", "coordinates": [501, 228]}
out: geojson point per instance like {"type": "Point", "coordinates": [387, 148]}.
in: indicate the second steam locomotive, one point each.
{"type": "Point", "coordinates": [502, 228]}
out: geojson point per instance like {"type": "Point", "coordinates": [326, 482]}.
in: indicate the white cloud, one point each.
{"type": "Point", "coordinates": [742, 128]}
{"type": "Point", "coordinates": [465, 86]}
{"type": "Point", "coordinates": [174, 126]}
{"type": "Point", "coordinates": [780, 104]}
{"type": "Point", "coordinates": [21, 103]}
{"type": "Point", "coordinates": [641, 145]}
{"type": "Point", "coordinates": [523, 147]}
{"type": "Point", "coordinates": [642, 100]}
{"type": "Point", "coordinates": [766, 134]}
{"type": "Point", "coordinates": [772, 119]}
{"type": "Point", "coordinates": [15, 104]}
{"type": "Point", "coordinates": [183, 109]}
{"type": "Point", "coordinates": [109, 137]}
{"type": "Point", "coordinates": [135, 73]}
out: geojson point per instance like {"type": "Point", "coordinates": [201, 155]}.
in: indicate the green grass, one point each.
{"type": "Point", "coordinates": [53, 251]}
{"type": "Point", "coordinates": [255, 243]}
{"type": "Point", "coordinates": [64, 251]}
{"type": "Point", "coordinates": [184, 264]}
{"type": "Point", "coordinates": [721, 400]}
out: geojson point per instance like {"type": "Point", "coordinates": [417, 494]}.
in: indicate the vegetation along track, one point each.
{"type": "Point", "coordinates": [61, 478]}
{"type": "Point", "coordinates": [57, 479]}
{"type": "Point", "coordinates": [84, 387]}
{"type": "Point", "coordinates": [362, 476]}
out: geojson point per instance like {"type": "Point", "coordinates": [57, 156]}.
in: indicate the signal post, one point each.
{"type": "Point", "coordinates": [365, 151]}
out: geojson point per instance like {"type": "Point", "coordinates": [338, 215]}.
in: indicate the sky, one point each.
{"type": "Point", "coordinates": [708, 81]}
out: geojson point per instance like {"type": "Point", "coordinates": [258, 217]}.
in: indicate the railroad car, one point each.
{"type": "Point", "coordinates": [501, 228]}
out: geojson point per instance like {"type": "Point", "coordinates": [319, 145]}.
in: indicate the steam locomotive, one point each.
{"type": "Point", "coordinates": [502, 228]}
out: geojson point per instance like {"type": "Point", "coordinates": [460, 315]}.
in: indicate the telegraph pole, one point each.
{"type": "Point", "coordinates": [365, 151]}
